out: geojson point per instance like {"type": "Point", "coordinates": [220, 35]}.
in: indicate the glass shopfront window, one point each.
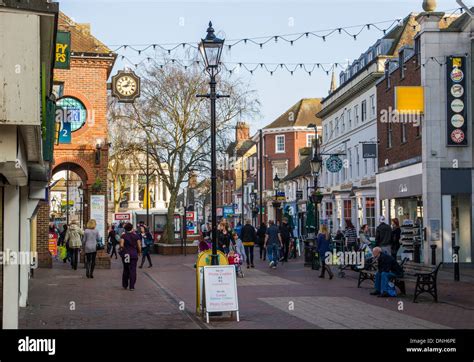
{"type": "Point", "coordinates": [370, 214]}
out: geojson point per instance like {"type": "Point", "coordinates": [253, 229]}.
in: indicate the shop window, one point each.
{"type": "Point", "coordinates": [347, 210]}
{"type": "Point", "coordinates": [370, 214]}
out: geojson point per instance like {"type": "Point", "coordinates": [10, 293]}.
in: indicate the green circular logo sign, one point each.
{"type": "Point", "coordinates": [334, 164]}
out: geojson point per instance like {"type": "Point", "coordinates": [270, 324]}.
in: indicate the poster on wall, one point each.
{"type": "Point", "coordinates": [457, 117]}
{"type": "Point", "coordinates": [98, 213]}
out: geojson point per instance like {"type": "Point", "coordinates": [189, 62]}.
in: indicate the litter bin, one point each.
{"type": "Point", "coordinates": [316, 262]}
{"type": "Point", "coordinates": [308, 252]}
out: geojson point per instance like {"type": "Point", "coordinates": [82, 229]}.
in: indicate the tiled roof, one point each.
{"type": "Point", "coordinates": [459, 23]}
{"type": "Point", "coordinates": [299, 115]}
{"type": "Point", "coordinates": [82, 41]}
{"type": "Point", "coordinates": [241, 148]}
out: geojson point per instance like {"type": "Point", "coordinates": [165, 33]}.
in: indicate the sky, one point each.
{"type": "Point", "coordinates": [135, 22]}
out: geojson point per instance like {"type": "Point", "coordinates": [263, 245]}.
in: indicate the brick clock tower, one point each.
{"type": "Point", "coordinates": [82, 148]}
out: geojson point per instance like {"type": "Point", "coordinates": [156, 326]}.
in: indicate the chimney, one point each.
{"type": "Point", "coordinates": [333, 83]}
{"type": "Point", "coordinates": [242, 132]}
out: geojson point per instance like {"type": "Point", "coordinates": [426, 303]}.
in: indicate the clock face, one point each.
{"type": "Point", "coordinates": [126, 85]}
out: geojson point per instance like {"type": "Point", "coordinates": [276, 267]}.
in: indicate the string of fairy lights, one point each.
{"type": "Point", "coordinates": [163, 54]}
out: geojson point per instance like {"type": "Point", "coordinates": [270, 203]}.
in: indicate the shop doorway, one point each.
{"type": "Point", "coordinates": [457, 227]}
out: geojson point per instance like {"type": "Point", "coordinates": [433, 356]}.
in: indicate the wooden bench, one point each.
{"type": "Point", "coordinates": [368, 273]}
{"type": "Point", "coordinates": [424, 277]}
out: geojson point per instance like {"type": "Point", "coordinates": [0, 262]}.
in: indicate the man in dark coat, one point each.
{"type": "Point", "coordinates": [383, 236]}
{"type": "Point", "coordinates": [285, 232]}
{"type": "Point", "coordinates": [388, 268]}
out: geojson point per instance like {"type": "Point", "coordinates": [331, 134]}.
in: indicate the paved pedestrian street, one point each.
{"type": "Point", "coordinates": [290, 296]}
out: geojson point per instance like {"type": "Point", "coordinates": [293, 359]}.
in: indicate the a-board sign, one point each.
{"type": "Point", "coordinates": [220, 289]}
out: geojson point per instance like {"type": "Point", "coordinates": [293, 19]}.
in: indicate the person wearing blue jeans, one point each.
{"type": "Point", "coordinates": [388, 268]}
{"type": "Point", "coordinates": [273, 242]}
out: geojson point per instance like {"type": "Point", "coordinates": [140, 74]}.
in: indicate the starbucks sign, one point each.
{"type": "Point", "coordinates": [334, 164]}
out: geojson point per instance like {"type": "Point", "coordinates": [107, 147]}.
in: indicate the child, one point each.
{"type": "Point", "coordinates": [237, 246]}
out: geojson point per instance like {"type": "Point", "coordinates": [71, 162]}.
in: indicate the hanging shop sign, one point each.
{"type": "Point", "coordinates": [334, 164]}
{"type": "Point", "coordinates": [456, 102]}
{"type": "Point", "coordinates": [369, 150]}
{"type": "Point", "coordinates": [299, 194]}
{"type": "Point", "coordinates": [63, 50]}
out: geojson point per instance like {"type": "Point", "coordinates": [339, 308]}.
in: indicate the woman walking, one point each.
{"type": "Point", "coordinates": [324, 239]}
{"type": "Point", "coordinates": [396, 233]}
{"type": "Point", "coordinates": [248, 237]}
{"type": "Point", "coordinates": [113, 240]}
{"type": "Point", "coordinates": [91, 237]}
{"type": "Point", "coordinates": [130, 250]}
{"type": "Point", "coordinates": [147, 242]}
{"type": "Point", "coordinates": [73, 239]}
{"type": "Point", "coordinates": [262, 230]}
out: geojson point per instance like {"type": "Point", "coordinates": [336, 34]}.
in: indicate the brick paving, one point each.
{"type": "Point", "coordinates": [264, 297]}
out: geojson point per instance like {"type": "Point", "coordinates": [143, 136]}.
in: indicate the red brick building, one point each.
{"type": "Point", "coordinates": [83, 86]}
{"type": "Point", "coordinates": [282, 140]}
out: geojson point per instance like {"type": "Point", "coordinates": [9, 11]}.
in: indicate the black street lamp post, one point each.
{"type": "Point", "coordinates": [211, 50]}
{"type": "Point", "coordinates": [276, 203]}
{"type": "Point", "coordinates": [316, 163]}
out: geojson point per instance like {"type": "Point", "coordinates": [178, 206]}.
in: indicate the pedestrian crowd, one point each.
{"type": "Point", "coordinates": [122, 240]}
{"type": "Point", "coordinates": [275, 241]}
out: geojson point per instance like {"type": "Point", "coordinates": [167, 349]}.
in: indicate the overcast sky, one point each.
{"type": "Point", "coordinates": [117, 22]}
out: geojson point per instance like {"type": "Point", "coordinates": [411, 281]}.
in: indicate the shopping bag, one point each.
{"type": "Point", "coordinates": [62, 252]}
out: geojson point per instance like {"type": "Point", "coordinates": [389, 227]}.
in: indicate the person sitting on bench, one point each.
{"type": "Point", "coordinates": [388, 269]}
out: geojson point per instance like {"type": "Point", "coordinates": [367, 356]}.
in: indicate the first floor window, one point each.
{"type": "Point", "coordinates": [280, 144]}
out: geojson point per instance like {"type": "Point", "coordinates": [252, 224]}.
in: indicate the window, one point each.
{"type": "Point", "coordinates": [337, 126]}
{"type": "Point", "coordinates": [330, 130]}
{"type": "Point", "coordinates": [418, 50]}
{"type": "Point", "coordinates": [418, 129]}
{"type": "Point", "coordinates": [343, 123]}
{"type": "Point", "coordinates": [370, 214]}
{"type": "Point", "coordinates": [403, 129]}
{"type": "Point", "coordinates": [349, 156]}
{"type": "Point", "coordinates": [347, 210]}
{"type": "Point", "coordinates": [356, 113]}
{"type": "Point", "coordinates": [325, 133]}
{"type": "Point", "coordinates": [372, 105]}
{"type": "Point", "coordinates": [364, 111]}
{"type": "Point", "coordinates": [280, 144]}
{"type": "Point", "coordinates": [280, 169]}
{"type": "Point", "coordinates": [329, 212]}
{"type": "Point", "coordinates": [310, 139]}
{"type": "Point", "coordinates": [357, 160]}
{"type": "Point", "coordinates": [349, 117]}
{"type": "Point", "coordinates": [366, 171]}
{"type": "Point", "coordinates": [74, 111]}
{"type": "Point", "coordinates": [389, 134]}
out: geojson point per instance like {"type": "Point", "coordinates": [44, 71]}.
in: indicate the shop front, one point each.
{"type": "Point", "coordinates": [456, 191]}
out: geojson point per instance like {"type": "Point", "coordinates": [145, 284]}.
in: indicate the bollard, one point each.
{"type": "Point", "coordinates": [416, 252]}
{"type": "Point", "coordinates": [433, 254]}
{"type": "Point", "coordinates": [456, 263]}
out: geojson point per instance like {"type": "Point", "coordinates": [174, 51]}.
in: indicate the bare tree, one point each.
{"type": "Point", "coordinates": [176, 124]}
